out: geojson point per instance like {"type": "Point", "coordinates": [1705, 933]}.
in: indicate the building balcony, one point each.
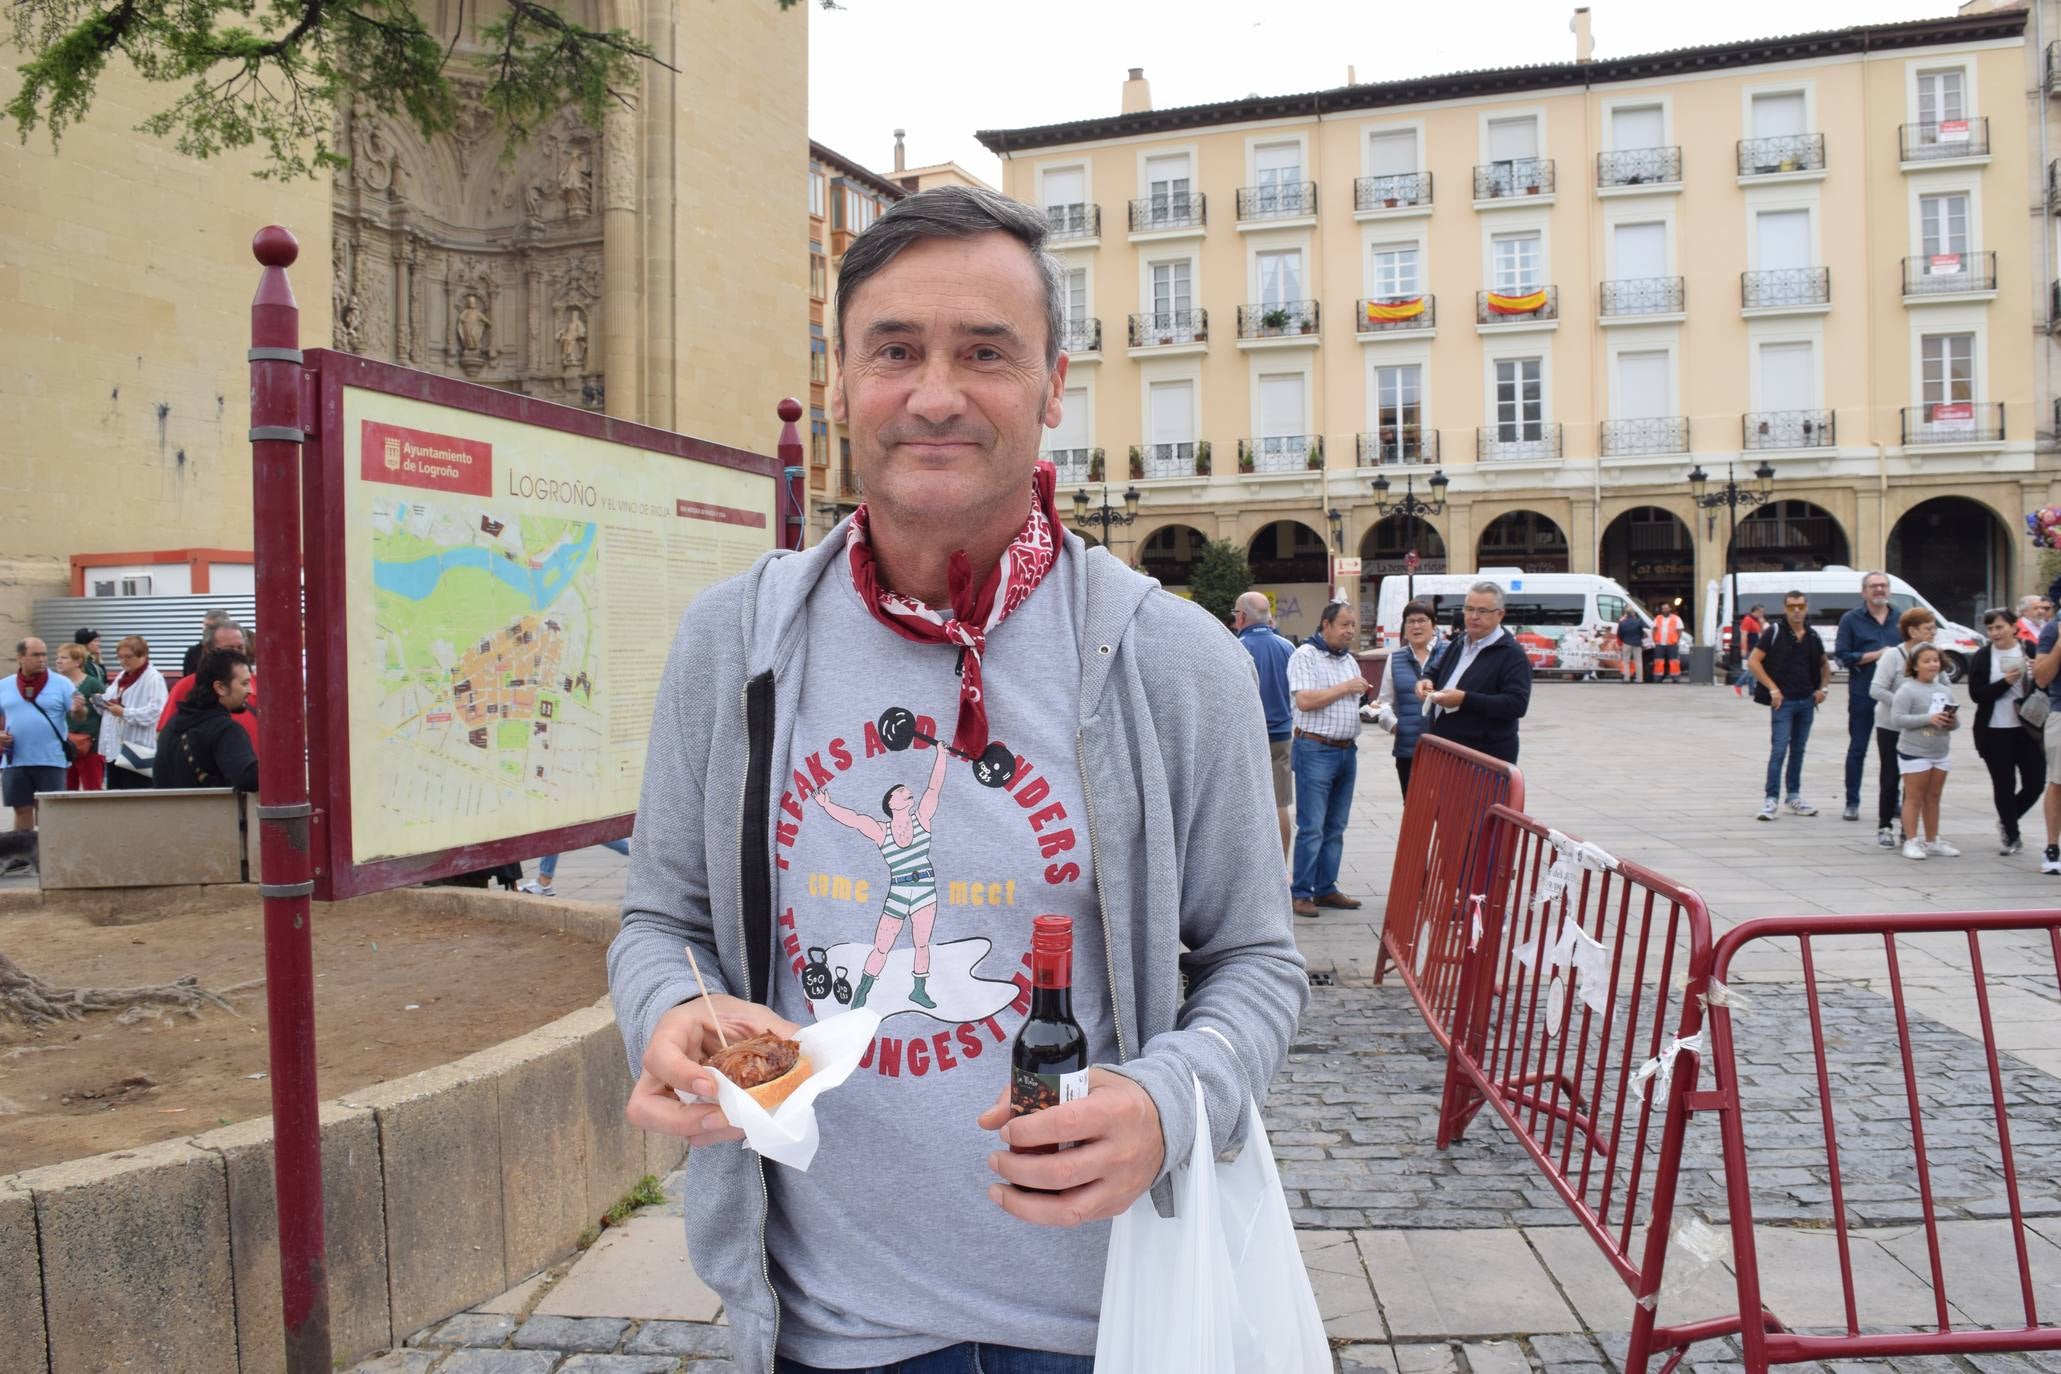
{"type": "Point", "coordinates": [847, 484]}
{"type": "Point", "coordinates": [1945, 141]}
{"type": "Point", "coordinates": [1398, 445]}
{"type": "Point", "coordinates": [2054, 308]}
{"type": "Point", "coordinates": [1639, 298]}
{"type": "Point", "coordinates": [1169, 216]}
{"type": "Point", "coordinates": [1187, 459]}
{"type": "Point", "coordinates": [1953, 424]}
{"type": "Point", "coordinates": [1283, 323]}
{"type": "Point", "coordinates": [1068, 225]}
{"type": "Point", "coordinates": [1797, 156]}
{"type": "Point", "coordinates": [1389, 315]}
{"type": "Point", "coordinates": [1626, 170]}
{"type": "Point", "coordinates": [1783, 429]}
{"type": "Point", "coordinates": [1081, 339]}
{"type": "Point", "coordinates": [1950, 277]}
{"type": "Point", "coordinates": [1518, 441]}
{"type": "Point", "coordinates": [1654, 434]}
{"type": "Point", "coordinates": [1515, 181]}
{"type": "Point", "coordinates": [1401, 193]}
{"type": "Point", "coordinates": [1517, 309]}
{"type": "Point", "coordinates": [1171, 329]}
{"type": "Point", "coordinates": [2050, 78]}
{"type": "Point", "coordinates": [1076, 466]}
{"type": "Point", "coordinates": [1262, 207]}
{"type": "Point", "coordinates": [2054, 187]}
{"type": "Point", "coordinates": [1786, 291]}
{"type": "Point", "coordinates": [1281, 453]}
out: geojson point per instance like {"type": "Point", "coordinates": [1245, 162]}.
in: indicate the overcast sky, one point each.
{"type": "Point", "coordinates": [944, 68]}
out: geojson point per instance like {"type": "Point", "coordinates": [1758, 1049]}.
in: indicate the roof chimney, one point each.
{"type": "Point", "coordinates": [1350, 78]}
{"type": "Point", "coordinates": [1584, 45]}
{"type": "Point", "coordinates": [901, 157]}
{"type": "Point", "coordinates": [1137, 92]}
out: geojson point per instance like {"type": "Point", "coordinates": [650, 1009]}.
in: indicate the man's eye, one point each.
{"type": "Point", "coordinates": [895, 353]}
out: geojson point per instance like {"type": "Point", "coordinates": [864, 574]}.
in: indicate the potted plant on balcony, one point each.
{"type": "Point", "coordinates": [1245, 459]}
{"type": "Point", "coordinates": [1316, 457]}
{"type": "Point", "coordinates": [1095, 464]}
{"type": "Point", "coordinates": [1274, 319]}
{"type": "Point", "coordinates": [1202, 458]}
{"type": "Point", "coordinates": [1789, 164]}
{"type": "Point", "coordinates": [1137, 463]}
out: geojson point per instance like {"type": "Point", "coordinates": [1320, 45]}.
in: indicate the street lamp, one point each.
{"type": "Point", "coordinates": [1409, 505]}
{"type": "Point", "coordinates": [1104, 517]}
{"type": "Point", "coordinates": [1732, 496]}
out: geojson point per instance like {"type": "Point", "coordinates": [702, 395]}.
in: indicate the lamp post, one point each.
{"type": "Point", "coordinates": [1104, 517]}
{"type": "Point", "coordinates": [1410, 505]}
{"type": "Point", "coordinates": [1732, 496]}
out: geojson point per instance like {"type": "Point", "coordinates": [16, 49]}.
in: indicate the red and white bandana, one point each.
{"type": "Point", "coordinates": [975, 611]}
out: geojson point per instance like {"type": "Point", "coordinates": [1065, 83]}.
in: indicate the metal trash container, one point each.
{"type": "Point", "coordinates": [1702, 665]}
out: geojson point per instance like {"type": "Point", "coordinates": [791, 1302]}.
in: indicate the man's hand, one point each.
{"type": "Point", "coordinates": [1423, 688]}
{"type": "Point", "coordinates": [1774, 696]}
{"type": "Point", "coordinates": [1819, 696]}
{"type": "Point", "coordinates": [1354, 686]}
{"type": "Point", "coordinates": [1117, 1148]}
{"type": "Point", "coordinates": [6, 740]}
{"type": "Point", "coordinates": [1448, 699]}
{"type": "Point", "coordinates": [685, 1038]}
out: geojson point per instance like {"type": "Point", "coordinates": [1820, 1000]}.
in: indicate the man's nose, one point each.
{"type": "Point", "coordinates": [936, 395]}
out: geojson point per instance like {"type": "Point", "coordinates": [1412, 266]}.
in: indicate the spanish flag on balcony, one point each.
{"type": "Point", "coordinates": [1517, 305]}
{"type": "Point", "coordinates": [1387, 311]}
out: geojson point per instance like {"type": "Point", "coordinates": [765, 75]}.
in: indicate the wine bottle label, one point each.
{"type": "Point", "coordinates": [1033, 1092]}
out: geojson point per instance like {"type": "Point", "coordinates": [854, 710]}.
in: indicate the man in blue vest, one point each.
{"type": "Point", "coordinates": [1253, 620]}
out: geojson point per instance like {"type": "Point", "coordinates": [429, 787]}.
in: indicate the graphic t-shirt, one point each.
{"type": "Point", "coordinates": [912, 892]}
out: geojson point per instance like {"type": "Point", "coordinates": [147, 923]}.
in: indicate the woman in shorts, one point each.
{"type": "Point", "coordinates": [1923, 715]}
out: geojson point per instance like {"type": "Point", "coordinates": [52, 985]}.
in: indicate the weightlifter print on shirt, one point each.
{"type": "Point", "coordinates": [904, 841]}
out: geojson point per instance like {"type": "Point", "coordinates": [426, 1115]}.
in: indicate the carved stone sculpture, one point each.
{"type": "Point", "coordinates": [576, 182]}
{"type": "Point", "coordinates": [572, 339]}
{"type": "Point", "coordinates": [475, 327]}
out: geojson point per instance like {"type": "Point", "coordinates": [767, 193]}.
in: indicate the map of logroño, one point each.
{"type": "Point", "coordinates": [488, 690]}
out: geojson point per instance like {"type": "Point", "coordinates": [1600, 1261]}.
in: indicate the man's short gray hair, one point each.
{"type": "Point", "coordinates": [217, 616]}
{"type": "Point", "coordinates": [1256, 608]}
{"type": "Point", "coordinates": [2028, 601]}
{"type": "Point", "coordinates": [1488, 589]}
{"type": "Point", "coordinates": [1866, 578]}
{"type": "Point", "coordinates": [952, 212]}
{"type": "Point", "coordinates": [225, 623]}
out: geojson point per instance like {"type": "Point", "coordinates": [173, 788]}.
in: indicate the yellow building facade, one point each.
{"type": "Point", "coordinates": [1542, 296]}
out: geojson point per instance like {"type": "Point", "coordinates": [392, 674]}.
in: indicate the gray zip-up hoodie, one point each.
{"type": "Point", "coordinates": [1172, 751]}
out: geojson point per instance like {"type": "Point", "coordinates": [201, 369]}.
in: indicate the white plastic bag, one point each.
{"type": "Point", "coordinates": [1218, 1288]}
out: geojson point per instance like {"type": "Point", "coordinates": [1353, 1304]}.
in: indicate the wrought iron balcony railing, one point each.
{"type": "Point", "coordinates": [1657, 434]}
{"type": "Point", "coordinates": [1954, 422]}
{"type": "Point", "coordinates": [1393, 191]}
{"type": "Point", "coordinates": [1947, 138]}
{"type": "Point", "coordinates": [1639, 167]}
{"type": "Point", "coordinates": [1762, 157]}
{"type": "Point", "coordinates": [1080, 336]}
{"type": "Point", "coordinates": [1184, 211]}
{"type": "Point", "coordinates": [1785, 286]}
{"type": "Point", "coordinates": [1396, 314]}
{"type": "Point", "coordinates": [1947, 273]}
{"type": "Point", "coordinates": [1072, 464]}
{"type": "Point", "coordinates": [1517, 305]}
{"type": "Point", "coordinates": [1277, 202]}
{"type": "Point", "coordinates": [1786, 429]}
{"type": "Point", "coordinates": [1169, 327]}
{"type": "Point", "coordinates": [1640, 296]}
{"type": "Point", "coordinates": [1392, 444]}
{"type": "Point", "coordinates": [1281, 453]}
{"type": "Point", "coordinates": [1173, 460]}
{"type": "Point", "coordinates": [1281, 320]}
{"type": "Point", "coordinates": [1076, 221]}
{"type": "Point", "coordinates": [1517, 439]}
{"type": "Point", "coordinates": [2054, 184]}
{"type": "Point", "coordinates": [2052, 76]}
{"type": "Point", "coordinates": [1520, 176]}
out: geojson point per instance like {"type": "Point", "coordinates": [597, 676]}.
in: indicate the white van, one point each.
{"type": "Point", "coordinates": [1833, 592]}
{"type": "Point", "coordinates": [1566, 622]}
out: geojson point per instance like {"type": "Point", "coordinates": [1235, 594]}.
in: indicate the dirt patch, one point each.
{"type": "Point", "coordinates": [396, 990]}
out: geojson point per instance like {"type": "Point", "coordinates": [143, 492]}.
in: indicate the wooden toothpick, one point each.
{"type": "Point", "coordinates": [695, 964]}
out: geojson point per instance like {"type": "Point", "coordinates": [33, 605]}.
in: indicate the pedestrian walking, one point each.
{"type": "Point", "coordinates": [1631, 639]}
{"type": "Point", "coordinates": [1924, 713]}
{"type": "Point", "coordinates": [1794, 674]}
{"type": "Point", "coordinates": [1253, 621]}
{"type": "Point", "coordinates": [2046, 677]}
{"type": "Point", "coordinates": [1667, 646]}
{"type": "Point", "coordinates": [547, 870]}
{"type": "Point", "coordinates": [1396, 705]}
{"type": "Point", "coordinates": [1999, 679]}
{"type": "Point", "coordinates": [1866, 633]}
{"type": "Point", "coordinates": [87, 770]}
{"type": "Point", "coordinates": [129, 712]}
{"type": "Point", "coordinates": [35, 703]}
{"type": "Point", "coordinates": [954, 619]}
{"type": "Point", "coordinates": [1750, 627]}
{"type": "Point", "coordinates": [1914, 627]}
{"type": "Point", "coordinates": [202, 746]}
{"type": "Point", "coordinates": [1480, 685]}
{"type": "Point", "coordinates": [1326, 681]}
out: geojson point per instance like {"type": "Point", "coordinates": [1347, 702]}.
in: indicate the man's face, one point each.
{"type": "Point", "coordinates": [227, 637]}
{"type": "Point", "coordinates": [1342, 630]}
{"type": "Point", "coordinates": [235, 693]}
{"type": "Point", "coordinates": [942, 380]}
{"type": "Point", "coordinates": [1876, 591]}
{"type": "Point", "coordinates": [33, 658]}
{"type": "Point", "coordinates": [1484, 616]}
{"type": "Point", "coordinates": [2045, 611]}
{"type": "Point", "coordinates": [1796, 608]}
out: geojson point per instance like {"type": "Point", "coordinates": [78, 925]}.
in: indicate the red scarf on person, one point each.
{"type": "Point", "coordinates": [129, 676]}
{"type": "Point", "coordinates": [976, 611]}
{"type": "Point", "coordinates": [31, 687]}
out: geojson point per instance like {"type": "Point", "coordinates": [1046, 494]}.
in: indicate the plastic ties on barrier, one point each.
{"type": "Point", "coordinates": [1574, 948]}
{"type": "Point", "coordinates": [1570, 856]}
{"type": "Point", "coordinates": [1662, 1066]}
{"type": "Point", "coordinates": [1474, 923]}
{"type": "Point", "coordinates": [1702, 1245]}
{"type": "Point", "coordinates": [1718, 996]}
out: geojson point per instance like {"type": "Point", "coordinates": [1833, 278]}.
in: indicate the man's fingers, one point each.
{"type": "Point", "coordinates": [1055, 1172]}
{"type": "Point", "coordinates": [653, 1107]}
{"type": "Point", "coordinates": [997, 1116]}
{"type": "Point", "coordinates": [1084, 1118]}
{"type": "Point", "coordinates": [671, 1065]}
{"type": "Point", "coordinates": [1075, 1207]}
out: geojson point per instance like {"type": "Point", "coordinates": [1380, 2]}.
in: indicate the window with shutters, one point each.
{"type": "Point", "coordinates": [1520, 400]}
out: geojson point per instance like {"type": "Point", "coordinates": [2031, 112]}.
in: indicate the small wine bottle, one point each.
{"type": "Point", "coordinates": [1049, 1061]}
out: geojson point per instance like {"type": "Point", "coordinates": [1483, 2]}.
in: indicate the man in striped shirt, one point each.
{"type": "Point", "coordinates": [1324, 680]}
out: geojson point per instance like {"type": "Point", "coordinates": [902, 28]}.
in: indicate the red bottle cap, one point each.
{"type": "Point", "coordinates": [1052, 934]}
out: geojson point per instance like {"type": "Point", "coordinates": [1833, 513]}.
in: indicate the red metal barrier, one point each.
{"type": "Point", "coordinates": [1932, 1103]}
{"type": "Point", "coordinates": [1438, 851]}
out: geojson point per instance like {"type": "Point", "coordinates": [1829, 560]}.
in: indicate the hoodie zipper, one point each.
{"type": "Point", "coordinates": [1116, 1018]}
{"type": "Point", "coordinates": [744, 948]}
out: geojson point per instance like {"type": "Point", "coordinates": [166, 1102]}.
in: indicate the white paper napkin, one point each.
{"type": "Point", "coordinates": [788, 1136]}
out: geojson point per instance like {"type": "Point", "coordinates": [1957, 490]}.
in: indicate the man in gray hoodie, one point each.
{"type": "Point", "coordinates": [1106, 761]}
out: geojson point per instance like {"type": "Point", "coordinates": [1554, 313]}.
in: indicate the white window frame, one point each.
{"type": "Point", "coordinates": [1146, 299]}
{"type": "Point", "coordinates": [1970, 317]}
{"type": "Point", "coordinates": [1649, 101]}
{"type": "Point", "coordinates": [1377, 287]}
{"type": "Point", "coordinates": [1516, 363]}
{"type": "Point", "coordinates": [1403, 353]}
{"type": "Point", "coordinates": [1302, 273]}
{"type": "Point", "coordinates": [1758, 201]}
{"type": "Point", "coordinates": [1508, 222]}
{"type": "Point", "coordinates": [1526, 282]}
{"type": "Point", "coordinates": [1148, 154]}
{"type": "Point", "coordinates": [1917, 69]}
{"type": "Point", "coordinates": [1645, 342]}
{"type": "Point", "coordinates": [1414, 127]}
{"type": "Point", "coordinates": [1810, 331]}
{"type": "Point", "coordinates": [1925, 381]}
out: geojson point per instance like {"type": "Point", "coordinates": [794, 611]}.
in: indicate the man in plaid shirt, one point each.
{"type": "Point", "coordinates": [1324, 680]}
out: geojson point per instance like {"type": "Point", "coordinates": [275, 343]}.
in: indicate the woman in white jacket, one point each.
{"type": "Point", "coordinates": [128, 719]}
{"type": "Point", "coordinates": [1917, 626]}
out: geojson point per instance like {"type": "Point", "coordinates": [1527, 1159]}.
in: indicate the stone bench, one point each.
{"type": "Point", "coordinates": [174, 837]}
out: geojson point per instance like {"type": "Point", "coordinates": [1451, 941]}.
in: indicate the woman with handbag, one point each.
{"type": "Point", "coordinates": [2000, 681]}
{"type": "Point", "coordinates": [128, 725]}
{"type": "Point", "coordinates": [87, 771]}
